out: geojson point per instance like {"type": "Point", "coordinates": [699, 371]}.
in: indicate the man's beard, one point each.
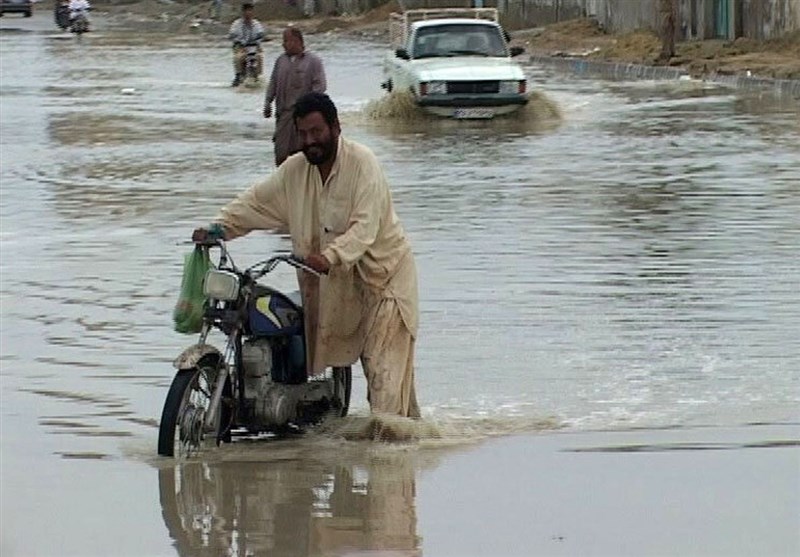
{"type": "Point", "coordinates": [319, 153]}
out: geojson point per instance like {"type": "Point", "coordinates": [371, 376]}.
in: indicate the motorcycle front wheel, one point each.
{"type": "Point", "coordinates": [182, 430]}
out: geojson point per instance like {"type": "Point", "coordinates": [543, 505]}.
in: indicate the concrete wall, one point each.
{"type": "Point", "coordinates": [622, 15]}
{"type": "Point", "coordinates": [696, 19]}
{"type": "Point", "coordinates": [519, 14]}
{"type": "Point", "coordinates": [342, 7]}
{"type": "Point", "coordinates": [767, 20]}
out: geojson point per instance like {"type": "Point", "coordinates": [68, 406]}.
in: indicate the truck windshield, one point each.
{"type": "Point", "coordinates": [456, 39]}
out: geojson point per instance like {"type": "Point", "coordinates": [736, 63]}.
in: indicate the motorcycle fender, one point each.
{"type": "Point", "coordinates": [190, 357]}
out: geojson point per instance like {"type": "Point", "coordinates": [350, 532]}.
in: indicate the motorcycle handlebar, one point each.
{"type": "Point", "coordinates": [208, 242]}
{"type": "Point", "coordinates": [268, 265]}
{"type": "Point", "coordinates": [291, 259]}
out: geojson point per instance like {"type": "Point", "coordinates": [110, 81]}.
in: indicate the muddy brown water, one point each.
{"type": "Point", "coordinates": [620, 256]}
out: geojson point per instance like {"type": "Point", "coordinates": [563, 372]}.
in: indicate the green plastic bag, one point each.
{"type": "Point", "coordinates": [188, 313]}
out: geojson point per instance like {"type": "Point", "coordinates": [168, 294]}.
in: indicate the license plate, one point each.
{"type": "Point", "coordinates": [473, 113]}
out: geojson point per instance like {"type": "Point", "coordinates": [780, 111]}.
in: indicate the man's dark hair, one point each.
{"type": "Point", "coordinates": [316, 102]}
{"type": "Point", "coordinates": [247, 5]}
{"type": "Point", "coordinates": [295, 32]}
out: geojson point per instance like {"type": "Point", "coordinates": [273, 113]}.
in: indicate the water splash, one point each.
{"type": "Point", "coordinates": [398, 109]}
{"type": "Point", "coordinates": [434, 431]}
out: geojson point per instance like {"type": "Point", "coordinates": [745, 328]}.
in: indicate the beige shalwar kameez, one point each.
{"type": "Point", "coordinates": [367, 305]}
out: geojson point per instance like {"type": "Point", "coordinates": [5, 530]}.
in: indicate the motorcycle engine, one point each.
{"type": "Point", "coordinates": [257, 363]}
{"type": "Point", "coordinates": [270, 403]}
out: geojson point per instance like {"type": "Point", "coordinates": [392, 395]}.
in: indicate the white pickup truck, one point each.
{"type": "Point", "coordinates": [455, 62]}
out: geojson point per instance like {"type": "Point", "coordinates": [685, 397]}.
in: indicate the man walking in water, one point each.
{"type": "Point", "coordinates": [335, 203]}
{"type": "Point", "coordinates": [295, 73]}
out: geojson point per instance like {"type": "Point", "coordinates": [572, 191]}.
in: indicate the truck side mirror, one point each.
{"type": "Point", "coordinates": [402, 53]}
{"type": "Point", "coordinates": [516, 50]}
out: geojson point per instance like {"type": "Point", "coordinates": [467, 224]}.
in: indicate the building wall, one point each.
{"type": "Point", "coordinates": [767, 20]}
{"type": "Point", "coordinates": [696, 19]}
{"type": "Point", "coordinates": [519, 14]}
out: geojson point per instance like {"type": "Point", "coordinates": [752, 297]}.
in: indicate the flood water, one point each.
{"type": "Point", "coordinates": [631, 266]}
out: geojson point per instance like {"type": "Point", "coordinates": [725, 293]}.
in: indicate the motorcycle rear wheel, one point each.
{"type": "Point", "coordinates": [182, 430]}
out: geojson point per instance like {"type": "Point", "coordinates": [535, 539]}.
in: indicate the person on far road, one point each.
{"type": "Point", "coordinates": [79, 8]}
{"type": "Point", "coordinates": [295, 73]}
{"type": "Point", "coordinates": [245, 31]}
{"type": "Point", "coordinates": [216, 9]}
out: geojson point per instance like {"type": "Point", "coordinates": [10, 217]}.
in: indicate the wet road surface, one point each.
{"type": "Point", "coordinates": [632, 265]}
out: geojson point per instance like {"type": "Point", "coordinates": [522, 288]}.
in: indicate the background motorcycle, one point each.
{"type": "Point", "coordinates": [252, 63]}
{"type": "Point", "coordinates": [258, 382]}
{"type": "Point", "coordinates": [79, 24]}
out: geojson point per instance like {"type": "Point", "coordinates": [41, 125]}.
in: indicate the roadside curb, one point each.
{"type": "Point", "coordinates": [789, 88]}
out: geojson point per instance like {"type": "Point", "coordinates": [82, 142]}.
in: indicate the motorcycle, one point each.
{"type": "Point", "coordinates": [62, 14]}
{"type": "Point", "coordinates": [252, 62]}
{"type": "Point", "coordinates": [257, 384]}
{"type": "Point", "coordinates": [79, 24]}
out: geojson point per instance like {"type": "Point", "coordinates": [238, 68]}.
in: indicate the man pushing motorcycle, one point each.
{"type": "Point", "coordinates": [334, 201]}
{"type": "Point", "coordinates": [245, 32]}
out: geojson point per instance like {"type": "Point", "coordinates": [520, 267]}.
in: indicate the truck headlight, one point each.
{"type": "Point", "coordinates": [221, 285]}
{"type": "Point", "coordinates": [516, 87]}
{"type": "Point", "coordinates": [434, 88]}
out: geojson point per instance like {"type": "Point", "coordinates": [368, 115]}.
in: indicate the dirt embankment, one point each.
{"type": "Point", "coordinates": [779, 58]}
{"type": "Point", "coordinates": [198, 17]}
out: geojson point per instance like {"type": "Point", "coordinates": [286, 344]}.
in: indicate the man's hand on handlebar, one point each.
{"type": "Point", "coordinates": [318, 262]}
{"type": "Point", "coordinates": [200, 236]}
{"type": "Point", "coordinates": [210, 235]}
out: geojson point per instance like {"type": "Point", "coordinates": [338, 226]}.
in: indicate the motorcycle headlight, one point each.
{"type": "Point", "coordinates": [221, 285]}
{"type": "Point", "coordinates": [436, 88]}
{"type": "Point", "coordinates": [516, 87]}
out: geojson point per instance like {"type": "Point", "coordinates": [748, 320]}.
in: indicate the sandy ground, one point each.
{"type": "Point", "coordinates": [778, 58]}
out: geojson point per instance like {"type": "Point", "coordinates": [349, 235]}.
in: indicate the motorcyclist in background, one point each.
{"type": "Point", "coordinates": [244, 32]}
{"type": "Point", "coordinates": [79, 8]}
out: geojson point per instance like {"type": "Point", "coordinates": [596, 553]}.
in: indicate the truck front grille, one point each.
{"type": "Point", "coordinates": [472, 87]}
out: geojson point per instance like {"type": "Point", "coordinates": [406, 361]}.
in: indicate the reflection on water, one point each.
{"type": "Point", "coordinates": [344, 488]}
{"type": "Point", "coordinates": [285, 501]}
